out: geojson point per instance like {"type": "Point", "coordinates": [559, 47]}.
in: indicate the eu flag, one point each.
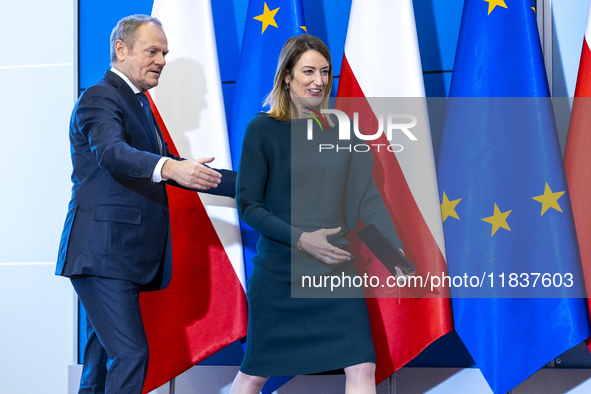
{"type": "Point", "coordinates": [504, 200]}
{"type": "Point", "coordinates": [268, 25]}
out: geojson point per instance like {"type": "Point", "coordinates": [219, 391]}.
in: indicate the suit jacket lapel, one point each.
{"type": "Point", "coordinates": [135, 105]}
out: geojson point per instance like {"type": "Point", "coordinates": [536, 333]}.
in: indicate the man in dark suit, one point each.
{"type": "Point", "coordinates": [116, 238]}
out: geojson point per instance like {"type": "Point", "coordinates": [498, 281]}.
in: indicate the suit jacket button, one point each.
{"type": "Point", "coordinates": [165, 214]}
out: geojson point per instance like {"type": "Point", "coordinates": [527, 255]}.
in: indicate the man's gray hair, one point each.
{"type": "Point", "coordinates": [126, 31]}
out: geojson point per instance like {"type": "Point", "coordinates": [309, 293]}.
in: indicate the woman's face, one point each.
{"type": "Point", "coordinates": [308, 79]}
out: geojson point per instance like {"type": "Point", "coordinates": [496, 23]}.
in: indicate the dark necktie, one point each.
{"type": "Point", "coordinates": [146, 104]}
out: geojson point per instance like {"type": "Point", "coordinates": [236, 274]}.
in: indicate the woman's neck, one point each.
{"type": "Point", "coordinates": [299, 111]}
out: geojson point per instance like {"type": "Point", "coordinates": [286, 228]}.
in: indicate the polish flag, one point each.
{"type": "Point", "coordinates": [577, 164]}
{"type": "Point", "coordinates": [204, 308]}
{"type": "Point", "coordinates": [382, 60]}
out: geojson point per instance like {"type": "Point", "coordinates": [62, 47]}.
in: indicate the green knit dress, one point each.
{"type": "Point", "coordinates": [286, 185]}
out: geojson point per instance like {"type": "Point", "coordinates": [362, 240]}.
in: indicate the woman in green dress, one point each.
{"type": "Point", "coordinates": [303, 202]}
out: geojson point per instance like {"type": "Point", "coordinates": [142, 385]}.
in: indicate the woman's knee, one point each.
{"type": "Point", "coordinates": [244, 383]}
{"type": "Point", "coordinates": [257, 381]}
{"type": "Point", "coordinates": [363, 371]}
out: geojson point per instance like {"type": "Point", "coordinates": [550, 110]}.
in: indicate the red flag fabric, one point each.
{"type": "Point", "coordinates": [204, 308]}
{"type": "Point", "coordinates": [382, 60]}
{"type": "Point", "coordinates": [577, 164]}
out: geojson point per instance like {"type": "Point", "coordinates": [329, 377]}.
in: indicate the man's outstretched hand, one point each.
{"type": "Point", "coordinates": [192, 174]}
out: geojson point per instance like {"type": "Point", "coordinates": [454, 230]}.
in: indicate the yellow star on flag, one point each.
{"type": "Point", "coordinates": [549, 199]}
{"type": "Point", "coordinates": [267, 17]}
{"type": "Point", "coordinates": [448, 208]}
{"type": "Point", "coordinates": [498, 220]}
{"type": "Point", "coordinates": [304, 29]}
{"type": "Point", "coordinates": [493, 3]}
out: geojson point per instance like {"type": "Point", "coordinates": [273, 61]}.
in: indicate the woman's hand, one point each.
{"type": "Point", "coordinates": [316, 244]}
{"type": "Point", "coordinates": [399, 272]}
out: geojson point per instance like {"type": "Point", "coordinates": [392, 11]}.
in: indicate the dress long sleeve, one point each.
{"type": "Point", "coordinates": [262, 189]}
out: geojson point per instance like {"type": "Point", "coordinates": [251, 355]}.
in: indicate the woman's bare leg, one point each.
{"type": "Point", "coordinates": [247, 384]}
{"type": "Point", "coordinates": [360, 379]}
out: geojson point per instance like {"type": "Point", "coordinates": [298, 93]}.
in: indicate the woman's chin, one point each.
{"type": "Point", "coordinates": [313, 101]}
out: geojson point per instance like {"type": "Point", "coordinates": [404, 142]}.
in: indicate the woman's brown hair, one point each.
{"type": "Point", "coordinates": [279, 99]}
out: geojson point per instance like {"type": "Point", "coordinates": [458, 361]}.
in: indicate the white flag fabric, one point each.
{"type": "Point", "coordinates": [190, 100]}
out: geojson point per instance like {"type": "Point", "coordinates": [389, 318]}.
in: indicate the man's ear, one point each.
{"type": "Point", "coordinates": [120, 50]}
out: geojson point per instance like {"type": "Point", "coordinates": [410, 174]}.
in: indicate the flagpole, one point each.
{"type": "Point", "coordinates": [392, 384]}
{"type": "Point", "coordinates": [171, 386]}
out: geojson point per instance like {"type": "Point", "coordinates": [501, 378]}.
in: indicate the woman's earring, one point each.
{"type": "Point", "coordinates": [286, 86]}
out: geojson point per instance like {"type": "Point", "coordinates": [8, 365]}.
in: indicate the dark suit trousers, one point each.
{"type": "Point", "coordinates": [116, 354]}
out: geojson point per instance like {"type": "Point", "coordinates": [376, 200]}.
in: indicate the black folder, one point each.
{"type": "Point", "coordinates": [384, 250]}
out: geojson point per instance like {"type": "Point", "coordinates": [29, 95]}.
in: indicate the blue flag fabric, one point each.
{"type": "Point", "coordinates": [505, 203]}
{"type": "Point", "coordinates": [268, 26]}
